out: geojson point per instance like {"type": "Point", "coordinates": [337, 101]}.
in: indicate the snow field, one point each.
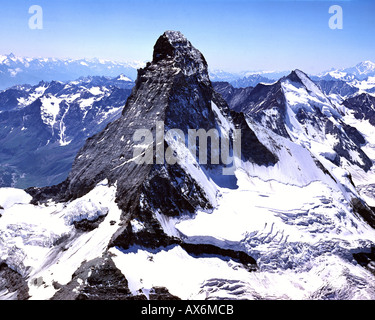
{"type": "Point", "coordinates": [42, 244]}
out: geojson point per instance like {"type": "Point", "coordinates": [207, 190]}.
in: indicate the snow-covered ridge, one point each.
{"type": "Point", "coordinates": [359, 76]}
{"type": "Point", "coordinates": [290, 228]}
{"type": "Point", "coordinates": [83, 92]}
{"type": "Point", "coordinates": [49, 248]}
{"type": "Point", "coordinates": [360, 72]}
{"type": "Point", "coordinates": [307, 96]}
{"type": "Point", "coordinates": [54, 116]}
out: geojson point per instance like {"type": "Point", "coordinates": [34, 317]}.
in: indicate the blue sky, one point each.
{"type": "Point", "coordinates": [233, 35]}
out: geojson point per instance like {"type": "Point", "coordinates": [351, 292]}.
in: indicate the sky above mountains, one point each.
{"type": "Point", "coordinates": [233, 35]}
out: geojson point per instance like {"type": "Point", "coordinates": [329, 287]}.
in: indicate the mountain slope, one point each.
{"type": "Point", "coordinates": [296, 108]}
{"type": "Point", "coordinates": [362, 70]}
{"type": "Point", "coordinates": [43, 126]}
{"type": "Point", "coordinates": [285, 223]}
{"type": "Point", "coordinates": [360, 78]}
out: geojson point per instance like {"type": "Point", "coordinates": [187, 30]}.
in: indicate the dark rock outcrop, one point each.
{"type": "Point", "coordinates": [237, 98]}
{"type": "Point", "coordinates": [88, 225]}
{"type": "Point", "coordinates": [362, 106]}
{"type": "Point", "coordinates": [363, 210]}
{"type": "Point", "coordinates": [346, 144]}
{"type": "Point", "coordinates": [338, 87]}
{"type": "Point", "coordinates": [99, 279]}
{"type": "Point", "coordinates": [13, 282]}
{"type": "Point", "coordinates": [209, 249]}
{"type": "Point", "coordinates": [366, 259]}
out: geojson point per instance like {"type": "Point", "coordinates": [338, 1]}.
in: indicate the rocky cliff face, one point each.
{"type": "Point", "coordinates": [362, 107]}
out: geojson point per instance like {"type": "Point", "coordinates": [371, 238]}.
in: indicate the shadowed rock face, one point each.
{"type": "Point", "coordinates": [336, 87]}
{"type": "Point", "coordinates": [362, 106]}
{"type": "Point", "coordinates": [103, 281]}
{"type": "Point", "coordinates": [13, 282]}
{"type": "Point", "coordinates": [237, 98]}
{"type": "Point", "coordinates": [366, 259]}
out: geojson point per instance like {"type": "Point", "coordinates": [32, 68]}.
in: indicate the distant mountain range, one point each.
{"type": "Point", "coordinates": [247, 78]}
{"type": "Point", "coordinates": [361, 71]}
{"type": "Point", "coordinates": [361, 76]}
{"type": "Point", "coordinates": [42, 127]}
{"type": "Point", "coordinates": [16, 70]}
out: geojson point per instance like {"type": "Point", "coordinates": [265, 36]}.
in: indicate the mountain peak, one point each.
{"type": "Point", "coordinates": [298, 76]}
{"type": "Point", "coordinates": [302, 79]}
{"type": "Point", "coordinates": [366, 63]}
{"type": "Point", "coordinates": [123, 77]}
{"type": "Point", "coordinates": [173, 47]}
{"type": "Point", "coordinates": [169, 44]}
{"type": "Point", "coordinates": [365, 66]}
{"type": "Point", "coordinates": [175, 36]}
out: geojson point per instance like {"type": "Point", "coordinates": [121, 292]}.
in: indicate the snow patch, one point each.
{"type": "Point", "coordinates": [50, 109]}
{"type": "Point", "coordinates": [41, 243]}
{"type": "Point", "coordinates": [9, 197]}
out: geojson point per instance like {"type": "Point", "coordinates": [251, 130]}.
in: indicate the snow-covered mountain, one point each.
{"type": "Point", "coordinates": [221, 75]}
{"type": "Point", "coordinates": [361, 71]}
{"type": "Point", "coordinates": [293, 221]}
{"type": "Point", "coordinates": [42, 127]}
{"type": "Point", "coordinates": [16, 70]}
{"type": "Point", "coordinates": [250, 81]}
{"type": "Point", "coordinates": [361, 77]}
{"type": "Point", "coordinates": [246, 79]}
